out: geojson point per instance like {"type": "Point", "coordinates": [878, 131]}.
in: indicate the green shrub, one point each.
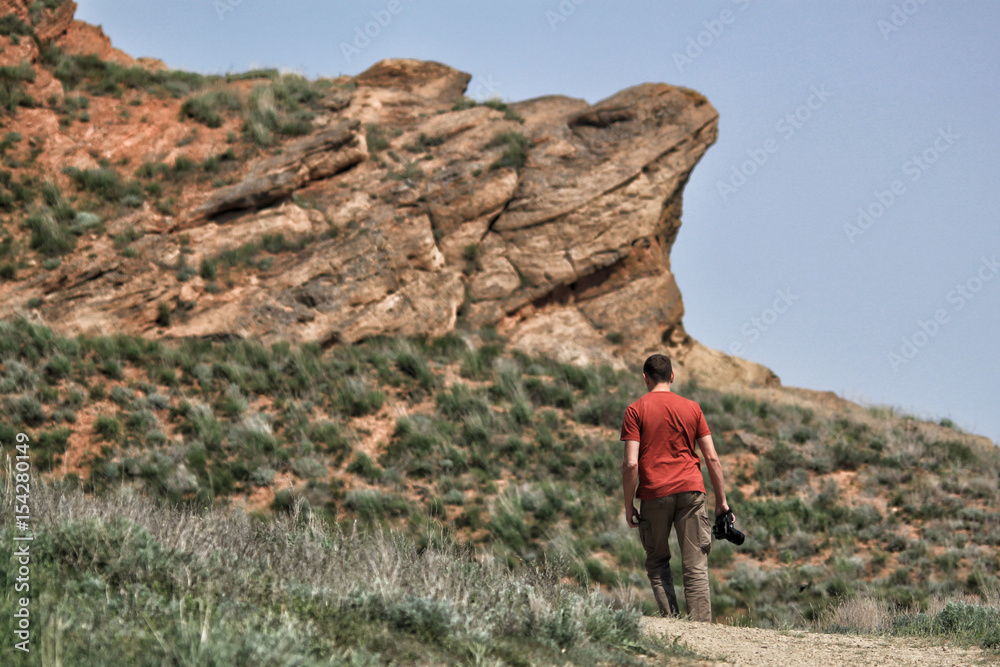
{"type": "Point", "coordinates": [253, 436]}
{"type": "Point", "coordinates": [478, 364]}
{"type": "Point", "coordinates": [328, 438]}
{"type": "Point", "coordinates": [423, 143]}
{"type": "Point", "coordinates": [508, 521]}
{"type": "Point", "coordinates": [373, 504]}
{"type": "Point", "coordinates": [106, 184]}
{"type": "Point", "coordinates": [363, 466]}
{"type": "Point", "coordinates": [26, 410]}
{"type": "Point", "coordinates": [211, 107]}
{"type": "Point", "coordinates": [410, 172]}
{"type": "Point", "coordinates": [148, 170]}
{"type": "Point", "coordinates": [546, 393]}
{"type": "Point", "coordinates": [604, 410]}
{"type": "Point", "coordinates": [122, 395]}
{"type": "Point", "coordinates": [183, 165]}
{"type": "Point", "coordinates": [48, 236]}
{"type": "Point", "coordinates": [375, 138]}
{"type": "Point", "coordinates": [164, 313]}
{"type": "Point", "coordinates": [18, 377]}
{"type": "Point", "coordinates": [464, 103]}
{"type": "Point", "coordinates": [49, 446]}
{"type": "Point", "coordinates": [515, 150]}
{"type": "Point", "coordinates": [110, 78]}
{"type": "Point", "coordinates": [108, 428]}
{"type": "Point", "coordinates": [355, 398]}
{"type": "Point", "coordinates": [12, 80]}
{"type": "Point", "coordinates": [280, 106]}
{"type": "Point", "coordinates": [309, 467]}
{"type": "Point", "coordinates": [459, 402]}
{"type": "Point", "coordinates": [416, 436]}
{"type": "Point", "coordinates": [961, 621]}
{"type": "Point", "coordinates": [11, 24]}
{"type": "Point", "coordinates": [499, 105]}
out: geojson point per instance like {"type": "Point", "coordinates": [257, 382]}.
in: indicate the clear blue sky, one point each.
{"type": "Point", "coordinates": [824, 107]}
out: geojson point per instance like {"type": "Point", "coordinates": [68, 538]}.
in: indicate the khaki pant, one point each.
{"type": "Point", "coordinates": [685, 511]}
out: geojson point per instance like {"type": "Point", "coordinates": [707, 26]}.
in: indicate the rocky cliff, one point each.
{"type": "Point", "coordinates": [396, 206]}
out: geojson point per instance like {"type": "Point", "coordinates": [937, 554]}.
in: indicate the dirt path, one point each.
{"type": "Point", "coordinates": [760, 648]}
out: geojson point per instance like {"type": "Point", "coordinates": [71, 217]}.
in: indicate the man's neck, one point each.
{"type": "Point", "coordinates": [663, 386]}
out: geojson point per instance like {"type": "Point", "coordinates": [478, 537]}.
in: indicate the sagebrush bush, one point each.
{"type": "Point", "coordinates": [49, 236]}
{"type": "Point", "coordinates": [356, 398]}
{"type": "Point", "coordinates": [281, 106]}
{"type": "Point", "coordinates": [211, 107]}
{"type": "Point", "coordinates": [105, 183]}
{"type": "Point", "coordinates": [515, 150]}
{"type": "Point", "coordinates": [12, 80]}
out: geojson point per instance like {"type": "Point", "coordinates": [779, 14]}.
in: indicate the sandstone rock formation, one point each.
{"type": "Point", "coordinates": [551, 219]}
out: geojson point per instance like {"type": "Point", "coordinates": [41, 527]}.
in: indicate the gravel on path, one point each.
{"type": "Point", "coordinates": [732, 645]}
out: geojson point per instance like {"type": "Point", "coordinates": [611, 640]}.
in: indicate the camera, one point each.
{"type": "Point", "coordinates": [724, 530]}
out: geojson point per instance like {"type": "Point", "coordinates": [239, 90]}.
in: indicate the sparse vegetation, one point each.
{"type": "Point", "coordinates": [12, 80]}
{"type": "Point", "coordinates": [495, 103]}
{"type": "Point", "coordinates": [970, 623]}
{"type": "Point", "coordinates": [106, 184]}
{"type": "Point", "coordinates": [102, 77]}
{"type": "Point", "coordinates": [210, 108]}
{"type": "Point", "coordinates": [219, 588]}
{"type": "Point", "coordinates": [284, 106]}
{"type": "Point", "coordinates": [423, 143]}
{"type": "Point", "coordinates": [515, 150]}
{"type": "Point", "coordinates": [546, 431]}
{"type": "Point", "coordinates": [11, 24]}
{"type": "Point", "coordinates": [410, 172]}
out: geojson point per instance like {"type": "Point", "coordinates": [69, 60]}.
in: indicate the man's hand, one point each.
{"type": "Point", "coordinates": [632, 516]}
{"type": "Point", "coordinates": [719, 511]}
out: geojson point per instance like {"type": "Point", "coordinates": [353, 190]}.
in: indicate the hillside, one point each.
{"type": "Point", "coordinates": [509, 450]}
{"type": "Point", "coordinates": [371, 302]}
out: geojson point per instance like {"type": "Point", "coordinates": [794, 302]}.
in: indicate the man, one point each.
{"type": "Point", "coordinates": [660, 431]}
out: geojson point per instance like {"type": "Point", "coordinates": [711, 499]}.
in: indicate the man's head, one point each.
{"type": "Point", "coordinates": [657, 370]}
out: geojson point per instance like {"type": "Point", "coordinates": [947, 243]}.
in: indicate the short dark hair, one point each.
{"type": "Point", "coordinates": [657, 368]}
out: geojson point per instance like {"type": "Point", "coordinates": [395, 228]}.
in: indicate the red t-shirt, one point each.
{"type": "Point", "coordinates": [667, 427]}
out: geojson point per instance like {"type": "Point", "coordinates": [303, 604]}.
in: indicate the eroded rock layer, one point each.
{"type": "Point", "coordinates": [405, 209]}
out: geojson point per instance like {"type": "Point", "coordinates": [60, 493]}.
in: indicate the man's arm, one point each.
{"type": "Point", "coordinates": [630, 479]}
{"type": "Point", "coordinates": [715, 473]}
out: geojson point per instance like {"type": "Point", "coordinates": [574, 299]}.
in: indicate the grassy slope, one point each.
{"type": "Point", "coordinates": [117, 581]}
{"type": "Point", "coordinates": [515, 454]}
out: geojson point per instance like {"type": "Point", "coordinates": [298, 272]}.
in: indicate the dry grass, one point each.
{"type": "Point", "coordinates": [863, 614]}
{"type": "Point", "coordinates": [965, 619]}
{"type": "Point", "coordinates": [158, 585]}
